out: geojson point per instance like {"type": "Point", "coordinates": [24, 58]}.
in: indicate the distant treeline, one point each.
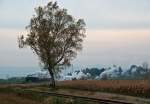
{"type": "Point", "coordinates": [134, 72]}
{"type": "Point", "coordinates": [22, 80]}
{"type": "Point", "coordinates": [13, 80]}
{"type": "Point", "coordinates": [116, 73]}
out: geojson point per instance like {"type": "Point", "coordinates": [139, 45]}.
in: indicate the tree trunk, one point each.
{"type": "Point", "coordinates": [52, 80]}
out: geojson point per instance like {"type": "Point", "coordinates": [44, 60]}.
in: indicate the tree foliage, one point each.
{"type": "Point", "coordinates": [54, 36]}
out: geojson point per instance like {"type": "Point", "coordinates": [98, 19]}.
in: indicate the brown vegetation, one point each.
{"type": "Point", "coordinates": [14, 99]}
{"type": "Point", "coordinates": [129, 87]}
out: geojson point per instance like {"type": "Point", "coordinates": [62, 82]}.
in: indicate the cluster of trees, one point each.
{"type": "Point", "coordinates": [116, 73]}
{"type": "Point", "coordinates": [137, 72]}
{"type": "Point", "coordinates": [94, 72]}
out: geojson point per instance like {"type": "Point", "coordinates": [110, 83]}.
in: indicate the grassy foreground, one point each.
{"type": "Point", "coordinates": [18, 94]}
{"type": "Point", "coordinates": [15, 99]}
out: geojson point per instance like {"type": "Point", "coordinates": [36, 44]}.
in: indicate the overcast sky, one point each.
{"type": "Point", "coordinates": [118, 31]}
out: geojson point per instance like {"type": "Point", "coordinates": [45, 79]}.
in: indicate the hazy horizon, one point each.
{"type": "Point", "coordinates": [118, 32]}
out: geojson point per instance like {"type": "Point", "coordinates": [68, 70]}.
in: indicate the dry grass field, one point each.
{"type": "Point", "coordinates": [128, 87]}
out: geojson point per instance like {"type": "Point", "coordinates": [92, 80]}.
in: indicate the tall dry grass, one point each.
{"type": "Point", "coordinates": [129, 87]}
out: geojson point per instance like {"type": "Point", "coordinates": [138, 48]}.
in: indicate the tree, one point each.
{"type": "Point", "coordinates": [55, 37]}
{"type": "Point", "coordinates": [120, 71]}
{"type": "Point", "coordinates": [145, 66]}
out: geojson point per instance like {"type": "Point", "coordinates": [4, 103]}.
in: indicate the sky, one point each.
{"type": "Point", "coordinates": [118, 32]}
